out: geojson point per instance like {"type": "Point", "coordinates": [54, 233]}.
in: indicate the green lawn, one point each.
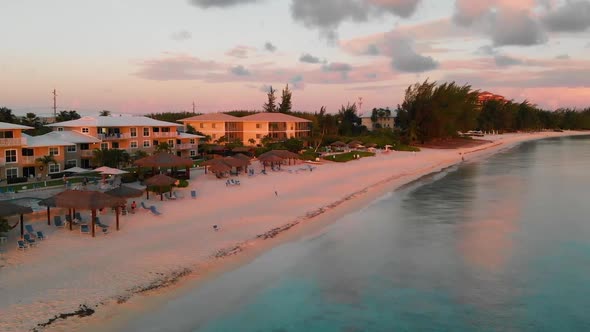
{"type": "Point", "coordinates": [348, 156]}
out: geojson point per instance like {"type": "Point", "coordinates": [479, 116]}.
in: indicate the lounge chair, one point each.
{"type": "Point", "coordinates": [84, 229]}
{"type": "Point", "coordinates": [177, 194]}
{"type": "Point", "coordinates": [30, 230]}
{"type": "Point", "coordinates": [78, 216]}
{"type": "Point", "coordinates": [154, 211]}
{"type": "Point", "coordinates": [58, 222]}
{"type": "Point", "coordinates": [144, 206]}
{"type": "Point", "coordinates": [193, 193]}
{"type": "Point", "coordinates": [21, 245]}
{"type": "Point", "coordinates": [41, 236]}
{"type": "Point", "coordinates": [99, 224]}
{"type": "Point", "coordinates": [29, 240]}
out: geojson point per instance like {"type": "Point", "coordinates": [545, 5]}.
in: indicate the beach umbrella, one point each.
{"type": "Point", "coordinates": [124, 192]}
{"type": "Point", "coordinates": [109, 171]}
{"type": "Point", "coordinates": [49, 203]}
{"type": "Point", "coordinates": [165, 159]}
{"type": "Point", "coordinates": [269, 158]}
{"type": "Point", "coordinates": [8, 209]}
{"type": "Point", "coordinates": [87, 200]}
{"type": "Point", "coordinates": [338, 143]}
{"type": "Point", "coordinates": [243, 157]}
{"type": "Point", "coordinates": [77, 170]}
{"type": "Point", "coordinates": [219, 167]}
{"type": "Point", "coordinates": [160, 181]}
{"type": "Point", "coordinates": [234, 162]}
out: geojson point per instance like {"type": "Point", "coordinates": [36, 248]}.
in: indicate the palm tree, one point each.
{"type": "Point", "coordinates": [164, 147]}
{"type": "Point", "coordinates": [104, 113]}
{"type": "Point", "coordinates": [45, 161]}
{"type": "Point", "coordinates": [252, 141]}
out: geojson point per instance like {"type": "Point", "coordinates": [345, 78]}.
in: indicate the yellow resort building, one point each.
{"type": "Point", "coordinates": [71, 143]}
{"type": "Point", "coordinates": [250, 129]}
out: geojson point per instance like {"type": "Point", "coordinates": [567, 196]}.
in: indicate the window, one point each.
{"type": "Point", "coordinates": [54, 151]}
{"type": "Point", "coordinates": [71, 148]}
{"type": "Point", "coordinates": [53, 168]}
{"type": "Point", "coordinates": [146, 144]}
{"type": "Point", "coordinates": [6, 134]}
{"type": "Point", "coordinates": [201, 125]}
{"type": "Point", "coordinates": [115, 145]}
{"type": "Point", "coordinates": [85, 130]}
{"type": "Point", "coordinates": [193, 153]}
{"type": "Point", "coordinates": [156, 129]}
{"type": "Point", "coordinates": [104, 146]}
{"type": "Point", "coordinates": [192, 141]}
{"type": "Point", "coordinates": [84, 146]}
{"type": "Point", "coordinates": [133, 132]}
{"type": "Point", "coordinates": [60, 128]}
{"type": "Point", "coordinates": [165, 130]}
{"type": "Point", "coordinates": [28, 152]}
{"type": "Point", "coordinates": [258, 126]}
{"type": "Point", "coordinates": [12, 173]}
{"type": "Point", "coordinates": [171, 143]}
{"type": "Point", "coordinates": [71, 163]}
{"type": "Point", "coordinates": [133, 144]}
{"type": "Point", "coordinates": [146, 132]}
{"type": "Point", "coordinates": [213, 125]}
{"type": "Point", "coordinates": [10, 156]}
{"type": "Point", "coordinates": [258, 136]}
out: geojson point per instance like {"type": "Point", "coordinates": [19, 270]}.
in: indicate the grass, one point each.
{"type": "Point", "coordinates": [41, 184]}
{"type": "Point", "coordinates": [407, 148]}
{"type": "Point", "coordinates": [348, 156]}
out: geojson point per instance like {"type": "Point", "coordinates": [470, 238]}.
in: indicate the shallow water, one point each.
{"type": "Point", "coordinates": [498, 245]}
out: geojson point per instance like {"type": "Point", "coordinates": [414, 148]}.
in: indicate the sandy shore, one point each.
{"type": "Point", "coordinates": [71, 275]}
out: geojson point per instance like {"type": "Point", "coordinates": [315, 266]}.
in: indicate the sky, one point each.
{"type": "Point", "coordinates": [143, 56]}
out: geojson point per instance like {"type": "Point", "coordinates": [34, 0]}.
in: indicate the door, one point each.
{"type": "Point", "coordinates": [29, 172]}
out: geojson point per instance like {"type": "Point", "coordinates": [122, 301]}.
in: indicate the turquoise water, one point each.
{"type": "Point", "coordinates": [497, 245]}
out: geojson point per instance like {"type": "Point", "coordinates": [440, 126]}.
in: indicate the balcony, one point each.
{"type": "Point", "coordinates": [186, 146]}
{"type": "Point", "coordinates": [165, 134]}
{"type": "Point", "coordinates": [86, 153]}
{"type": "Point", "coordinates": [114, 137]}
{"type": "Point", "coordinates": [12, 141]}
{"type": "Point", "coordinates": [27, 160]}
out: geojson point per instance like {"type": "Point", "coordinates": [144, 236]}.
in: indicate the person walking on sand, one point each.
{"type": "Point", "coordinates": [215, 228]}
{"type": "Point", "coordinates": [133, 206]}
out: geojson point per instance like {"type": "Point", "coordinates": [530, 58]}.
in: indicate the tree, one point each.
{"type": "Point", "coordinates": [164, 147]}
{"type": "Point", "coordinates": [285, 105]}
{"type": "Point", "coordinates": [31, 120]}
{"type": "Point", "coordinates": [252, 141]}
{"type": "Point", "coordinates": [190, 129]}
{"type": "Point", "coordinates": [138, 154]}
{"type": "Point", "coordinates": [270, 105]}
{"type": "Point", "coordinates": [104, 113]}
{"type": "Point", "coordinates": [4, 226]}
{"type": "Point", "coordinates": [293, 144]}
{"type": "Point", "coordinates": [110, 158]}
{"type": "Point", "coordinates": [67, 116]}
{"type": "Point", "coordinates": [7, 116]}
{"type": "Point", "coordinates": [172, 116]}
{"type": "Point", "coordinates": [45, 161]}
{"type": "Point", "coordinates": [349, 121]}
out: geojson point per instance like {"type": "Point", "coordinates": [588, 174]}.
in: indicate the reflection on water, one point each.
{"type": "Point", "coordinates": [499, 245]}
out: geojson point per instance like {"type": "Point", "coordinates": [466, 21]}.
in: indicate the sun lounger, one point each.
{"type": "Point", "coordinates": [58, 222]}
{"type": "Point", "coordinates": [84, 229]}
{"type": "Point", "coordinates": [29, 240]}
{"type": "Point", "coordinates": [177, 194]}
{"type": "Point", "coordinates": [232, 182]}
{"type": "Point", "coordinates": [193, 193]}
{"type": "Point", "coordinates": [154, 211]}
{"type": "Point", "coordinates": [30, 230]}
{"type": "Point", "coordinates": [21, 245]}
{"type": "Point", "coordinates": [99, 224]}
{"type": "Point", "coordinates": [41, 236]}
{"type": "Point", "coordinates": [144, 206]}
{"type": "Point", "coordinates": [78, 216]}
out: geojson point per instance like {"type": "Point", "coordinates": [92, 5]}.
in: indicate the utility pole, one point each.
{"type": "Point", "coordinates": [194, 107]}
{"type": "Point", "coordinates": [360, 105]}
{"type": "Point", "coordinates": [54, 103]}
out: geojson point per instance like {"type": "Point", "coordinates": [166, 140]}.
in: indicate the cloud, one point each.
{"type": "Point", "coordinates": [297, 82]}
{"type": "Point", "coordinates": [507, 61]}
{"type": "Point", "coordinates": [563, 57]}
{"type": "Point", "coordinates": [308, 58]}
{"type": "Point", "coordinates": [516, 28]}
{"type": "Point", "coordinates": [405, 58]}
{"type": "Point", "coordinates": [371, 75]}
{"type": "Point", "coordinates": [181, 35]}
{"type": "Point", "coordinates": [573, 16]}
{"type": "Point", "coordinates": [239, 71]}
{"type": "Point", "coordinates": [337, 67]}
{"type": "Point", "coordinates": [327, 15]}
{"type": "Point", "coordinates": [270, 47]}
{"type": "Point", "coordinates": [221, 3]}
{"type": "Point", "coordinates": [372, 49]}
{"type": "Point", "coordinates": [241, 52]}
{"type": "Point", "coordinates": [176, 67]}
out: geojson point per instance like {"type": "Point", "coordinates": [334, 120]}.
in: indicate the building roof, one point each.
{"type": "Point", "coordinates": [6, 125]}
{"type": "Point", "coordinates": [213, 117]}
{"type": "Point", "coordinates": [114, 121]}
{"type": "Point", "coordinates": [73, 136]}
{"type": "Point", "coordinates": [186, 135]}
{"type": "Point", "coordinates": [272, 117]}
{"type": "Point", "coordinates": [44, 140]}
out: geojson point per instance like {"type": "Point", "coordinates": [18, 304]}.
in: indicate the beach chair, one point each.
{"type": "Point", "coordinates": [144, 206]}
{"type": "Point", "coordinates": [78, 216]}
{"type": "Point", "coordinates": [30, 230]}
{"type": "Point", "coordinates": [68, 218]}
{"type": "Point", "coordinates": [193, 193]}
{"type": "Point", "coordinates": [41, 236]}
{"type": "Point", "coordinates": [29, 240]}
{"type": "Point", "coordinates": [21, 245]}
{"type": "Point", "coordinates": [84, 229]}
{"type": "Point", "coordinates": [99, 224]}
{"type": "Point", "coordinates": [58, 222]}
{"type": "Point", "coordinates": [178, 195]}
{"type": "Point", "coordinates": [154, 211]}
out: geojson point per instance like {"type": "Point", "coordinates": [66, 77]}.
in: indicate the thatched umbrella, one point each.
{"type": "Point", "coordinates": [87, 200]}
{"type": "Point", "coordinates": [371, 145]}
{"type": "Point", "coordinates": [49, 203]}
{"type": "Point", "coordinates": [8, 209]}
{"type": "Point", "coordinates": [270, 158]}
{"type": "Point", "coordinates": [243, 157]}
{"type": "Point", "coordinates": [220, 167]}
{"type": "Point", "coordinates": [338, 144]}
{"type": "Point", "coordinates": [234, 162]}
{"type": "Point", "coordinates": [123, 192]}
{"type": "Point", "coordinates": [164, 159]}
{"type": "Point", "coordinates": [160, 180]}
{"type": "Point", "coordinates": [355, 144]}
{"type": "Point", "coordinates": [240, 149]}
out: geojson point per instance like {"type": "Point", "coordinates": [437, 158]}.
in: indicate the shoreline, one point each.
{"type": "Point", "coordinates": [116, 309]}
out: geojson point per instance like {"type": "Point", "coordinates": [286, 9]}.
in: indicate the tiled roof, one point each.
{"type": "Point", "coordinates": [114, 121]}
{"type": "Point", "coordinates": [213, 117]}
{"type": "Point", "coordinates": [272, 117]}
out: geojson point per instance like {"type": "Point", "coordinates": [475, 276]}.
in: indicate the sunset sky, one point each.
{"type": "Point", "coordinates": [141, 56]}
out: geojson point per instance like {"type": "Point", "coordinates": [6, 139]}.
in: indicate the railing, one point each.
{"type": "Point", "coordinates": [165, 134]}
{"type": "Point", "coordinates": [186, 146]}
{"type": "Point", "coordinates": [86, 153]}
{"type": "Point", "coordinates": [112, 137]}
{"type": "Point", "coordinates": [12, 141]}
{"type": "Point", "coordinates": [27, 160]}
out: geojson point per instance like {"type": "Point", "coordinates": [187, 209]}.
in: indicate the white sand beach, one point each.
{"type": "Point", "coordinates": [70, 269]}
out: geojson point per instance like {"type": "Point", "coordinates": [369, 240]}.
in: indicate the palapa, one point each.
{"type": "Point", "coordinates": [8, 209]}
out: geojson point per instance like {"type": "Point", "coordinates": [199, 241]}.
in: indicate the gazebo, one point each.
{"type": "Point", "coordinates": [160, 181]}
{"type": "Point", "coordinates": [164, 159]}
{"type": "Point", "coordinates": [219, 167]}
{"type": "Point", "coordinates": [270, 158]}
{"type": "Point", "coordinates": [87, 200]}
{"type": "Point", "coordinates": [8, 209]}
{"type": "Point", "coordinates": [124, 192]}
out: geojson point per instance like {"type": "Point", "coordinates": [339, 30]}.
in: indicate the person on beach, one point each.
{"type": "Point", "coordinates": [133, 206]}
{"type": "Point", "coordinates": [276, 193]}
{"type": "Point", "coordinates": [215, 228]}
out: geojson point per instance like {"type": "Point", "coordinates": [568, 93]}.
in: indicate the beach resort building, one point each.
{"type": "Point", "coordinates": [380, 120]}
{"type": "Point", "coordinates": [71, 143]}
{"type": "Point", "coordinates": [250, 129]}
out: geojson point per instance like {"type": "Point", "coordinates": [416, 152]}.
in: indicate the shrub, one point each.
{"type": "Point", "coordinates": [182, 183]}
{"type": "Point", "coordinates": [129, 177]}
{"type": "Point", "coordinates": [403, 147]}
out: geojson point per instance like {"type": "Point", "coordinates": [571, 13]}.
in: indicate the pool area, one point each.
{"type": "Point", "coordinates": [28, 201]}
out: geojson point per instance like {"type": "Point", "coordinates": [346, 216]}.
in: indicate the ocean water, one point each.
{"type": "Point", "coordinates": [501, 244]}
